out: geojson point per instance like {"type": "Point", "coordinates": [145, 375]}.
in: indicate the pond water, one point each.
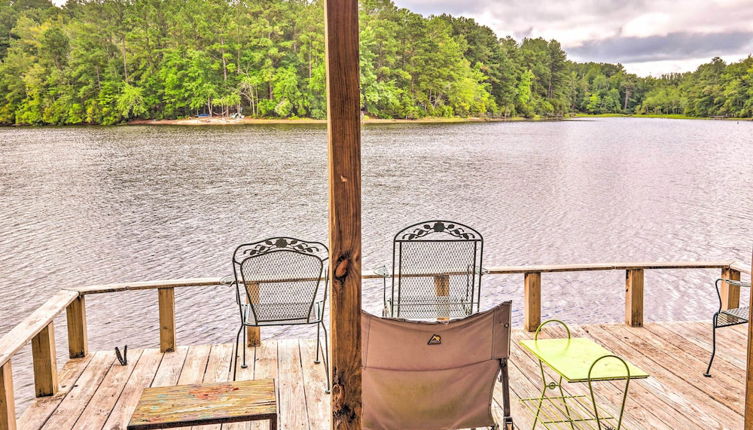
{"type": "Point", "coordinates": [91, 205]}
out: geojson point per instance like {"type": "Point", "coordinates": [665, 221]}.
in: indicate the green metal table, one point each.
{"type": "Point", "coordinates": [575, 360]}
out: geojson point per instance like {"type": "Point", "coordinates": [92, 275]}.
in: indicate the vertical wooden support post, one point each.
{"type": "Point", "coordinates": [634, 297]}
{"type": "Point", "coordinates": [78, 343]}
{"type": "Point", "coordinates": [45, 362]}
{"type": "Point", "coordinates": [253, 334]}
{"type": "Point", "coordinates": [7, 399]}
{"type": "Point", "coordinates": [730, 293]}
{"type": "Point", "coordinates": [166, 319]}
{"type": "Point", "coordinates": [748, 413]}
{"type": "Point", "coordinates": [344, 136]}
{"type": "Point", "coordinates": [532, 301]}
{"type": "Point", "coordinates": [442, 291]}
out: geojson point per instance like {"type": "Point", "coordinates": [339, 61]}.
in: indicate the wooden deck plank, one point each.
{"type": "Point", "coordinates": [642, 394]}
{"type": "Point", "coordinates": [290, 382]}
{"type": "Point", "coordinates": [689, 400]}
{"type": "Point", "coordinates": [265, 366]}
{"type": "Point", "coordinates": [38, 411]}
{"type": "Point", "coordinates": [730, 341]}
{"type": "Point", "coordinates": [217, 371]}
{"type": "Point", "coordinates": [103, 401]}
{"type": "Point", "coordinates": [67, 413]}
{"type": "Point", "coordinates": [722, 362]}
{"type": "Point", "coordinates": [675, 396]}
{"type": "Point", "coordinates": [195, 365]}
{"type": "Point", "coordinates": [141, 377]}
{"type": "Point", "coordinates": [700, 335]}
{"type": "Point", "coordinates": [170, 367]}
{"type": "Point", "coordinates": [689, 367]}
{"type": "Point", "coordinates": [315, 383]}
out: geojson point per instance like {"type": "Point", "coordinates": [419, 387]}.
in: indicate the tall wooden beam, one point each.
{"type": "Point", "coordinates": [344, 132]}
{"type": "Point", "coordinates": [749, 372]}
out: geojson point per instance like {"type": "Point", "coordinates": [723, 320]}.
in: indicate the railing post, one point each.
{"type": "Point", "coordinates": [730, 293]}
{"type": "Point", "coordinates": [45, 362]}
{"type": "Point", "coordinates": [7, 400]}
{"type": "Point", "coordinates": [442, 291]}
{"type": "Point", "coordinates": [532, 300]}
{"type": "Point", "coordinates": [253, 334]}
{"type": "Point", "coordinates": [634, 297]}
{"type": "Point", "coordinates": [78, 343]}
{"type": "Point", "coordinates": [166, 319]}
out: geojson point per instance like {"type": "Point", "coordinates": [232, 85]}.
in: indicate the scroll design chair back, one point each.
{"type": "Point", "coordinates": [281, 281]}
{"type": "Point", "coordinates": [420, 375]}
{"type": "Point", "coordinates": [436, 271]}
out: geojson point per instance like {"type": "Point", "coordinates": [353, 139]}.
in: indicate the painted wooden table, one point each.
{"type": "Point", "coordinates": [201, 404]}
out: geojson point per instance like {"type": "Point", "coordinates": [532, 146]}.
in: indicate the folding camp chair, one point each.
{"type": "Point", "coordinates": [435, 375]}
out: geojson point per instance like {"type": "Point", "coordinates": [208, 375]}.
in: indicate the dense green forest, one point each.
{"type": "Point", "coordinates": [108, 61]}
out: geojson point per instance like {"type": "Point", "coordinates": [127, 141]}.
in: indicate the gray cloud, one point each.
{"type": "Point", "coordinates": [673, 46]}
{"type": "Point", "coordinates": [649, 36]}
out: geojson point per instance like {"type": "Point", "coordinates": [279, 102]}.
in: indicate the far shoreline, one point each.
{"type": "Point", "coordinates": [210, 121]}
{"type": "Point", "coordinates": [225, 121]}
{"type": "Point", "coordinates": [309, 121]}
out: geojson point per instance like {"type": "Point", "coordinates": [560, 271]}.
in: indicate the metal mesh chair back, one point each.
{"type": "Point", "coordinates": [282, 279]}
{"type": "Point", "coordinates": [436, 270]}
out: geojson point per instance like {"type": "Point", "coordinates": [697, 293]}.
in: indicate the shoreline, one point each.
{"type": "Point", "coordinates": [224, 121]}
{"type": "Point", "coordinates": [309, 121]}
{"type": "Point", "coordinates": [656, 116]}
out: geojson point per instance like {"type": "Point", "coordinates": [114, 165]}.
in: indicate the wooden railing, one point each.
{"type": "Point", "coordinates": [38, 328]}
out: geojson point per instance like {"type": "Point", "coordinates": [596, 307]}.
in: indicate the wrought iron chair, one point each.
{"type": "Point", "coordinates": [436, 272]}
{"type": "Point", "coordinates": [726, 317]}
{"type": "Point", "coordinates": [281, 279]}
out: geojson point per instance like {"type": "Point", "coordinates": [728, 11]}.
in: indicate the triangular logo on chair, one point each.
{"type": "Point", "coordinates": [435, 340]}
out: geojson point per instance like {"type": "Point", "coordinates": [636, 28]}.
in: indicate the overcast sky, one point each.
{"type": "Point", "coordinates": [649, 37]}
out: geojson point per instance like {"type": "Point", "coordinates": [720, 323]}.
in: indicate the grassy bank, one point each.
{"type": "Point", "coordinates": [665, 116]}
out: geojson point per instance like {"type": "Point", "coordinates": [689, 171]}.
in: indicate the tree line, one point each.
{"type": "Point", "coordinates": [108, 61]}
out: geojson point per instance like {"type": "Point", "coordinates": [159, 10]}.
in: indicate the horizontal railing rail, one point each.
{"type": "Point", "coordinates": [38, 327]}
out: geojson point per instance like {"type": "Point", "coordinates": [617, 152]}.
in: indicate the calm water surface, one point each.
{"type": "Point", "coordinates": [83, 206]}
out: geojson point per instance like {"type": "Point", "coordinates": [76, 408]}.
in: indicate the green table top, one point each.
{"type": "Point", "coordinates": [572, 358]}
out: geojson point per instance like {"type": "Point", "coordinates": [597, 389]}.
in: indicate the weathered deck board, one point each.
{"type": "Point", "coordinates": [103, 401]}
{"type": "Point", "coordinates": [98, 393]}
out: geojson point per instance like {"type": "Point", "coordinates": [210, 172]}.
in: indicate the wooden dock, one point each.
{"type": "Point", "coordinates": [96, 392]}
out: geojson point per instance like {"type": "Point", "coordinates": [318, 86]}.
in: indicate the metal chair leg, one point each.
{"type": "Point", "coordinates": [317, 343]}
{"type": "Point", "coordinates": [244, 365]}
{"type": "Point", "coordinates": [713, 349]}
{"type": "Point", "coordinates": [326, 357]}
{"type": "Point", "coordinates": [234, 361]}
